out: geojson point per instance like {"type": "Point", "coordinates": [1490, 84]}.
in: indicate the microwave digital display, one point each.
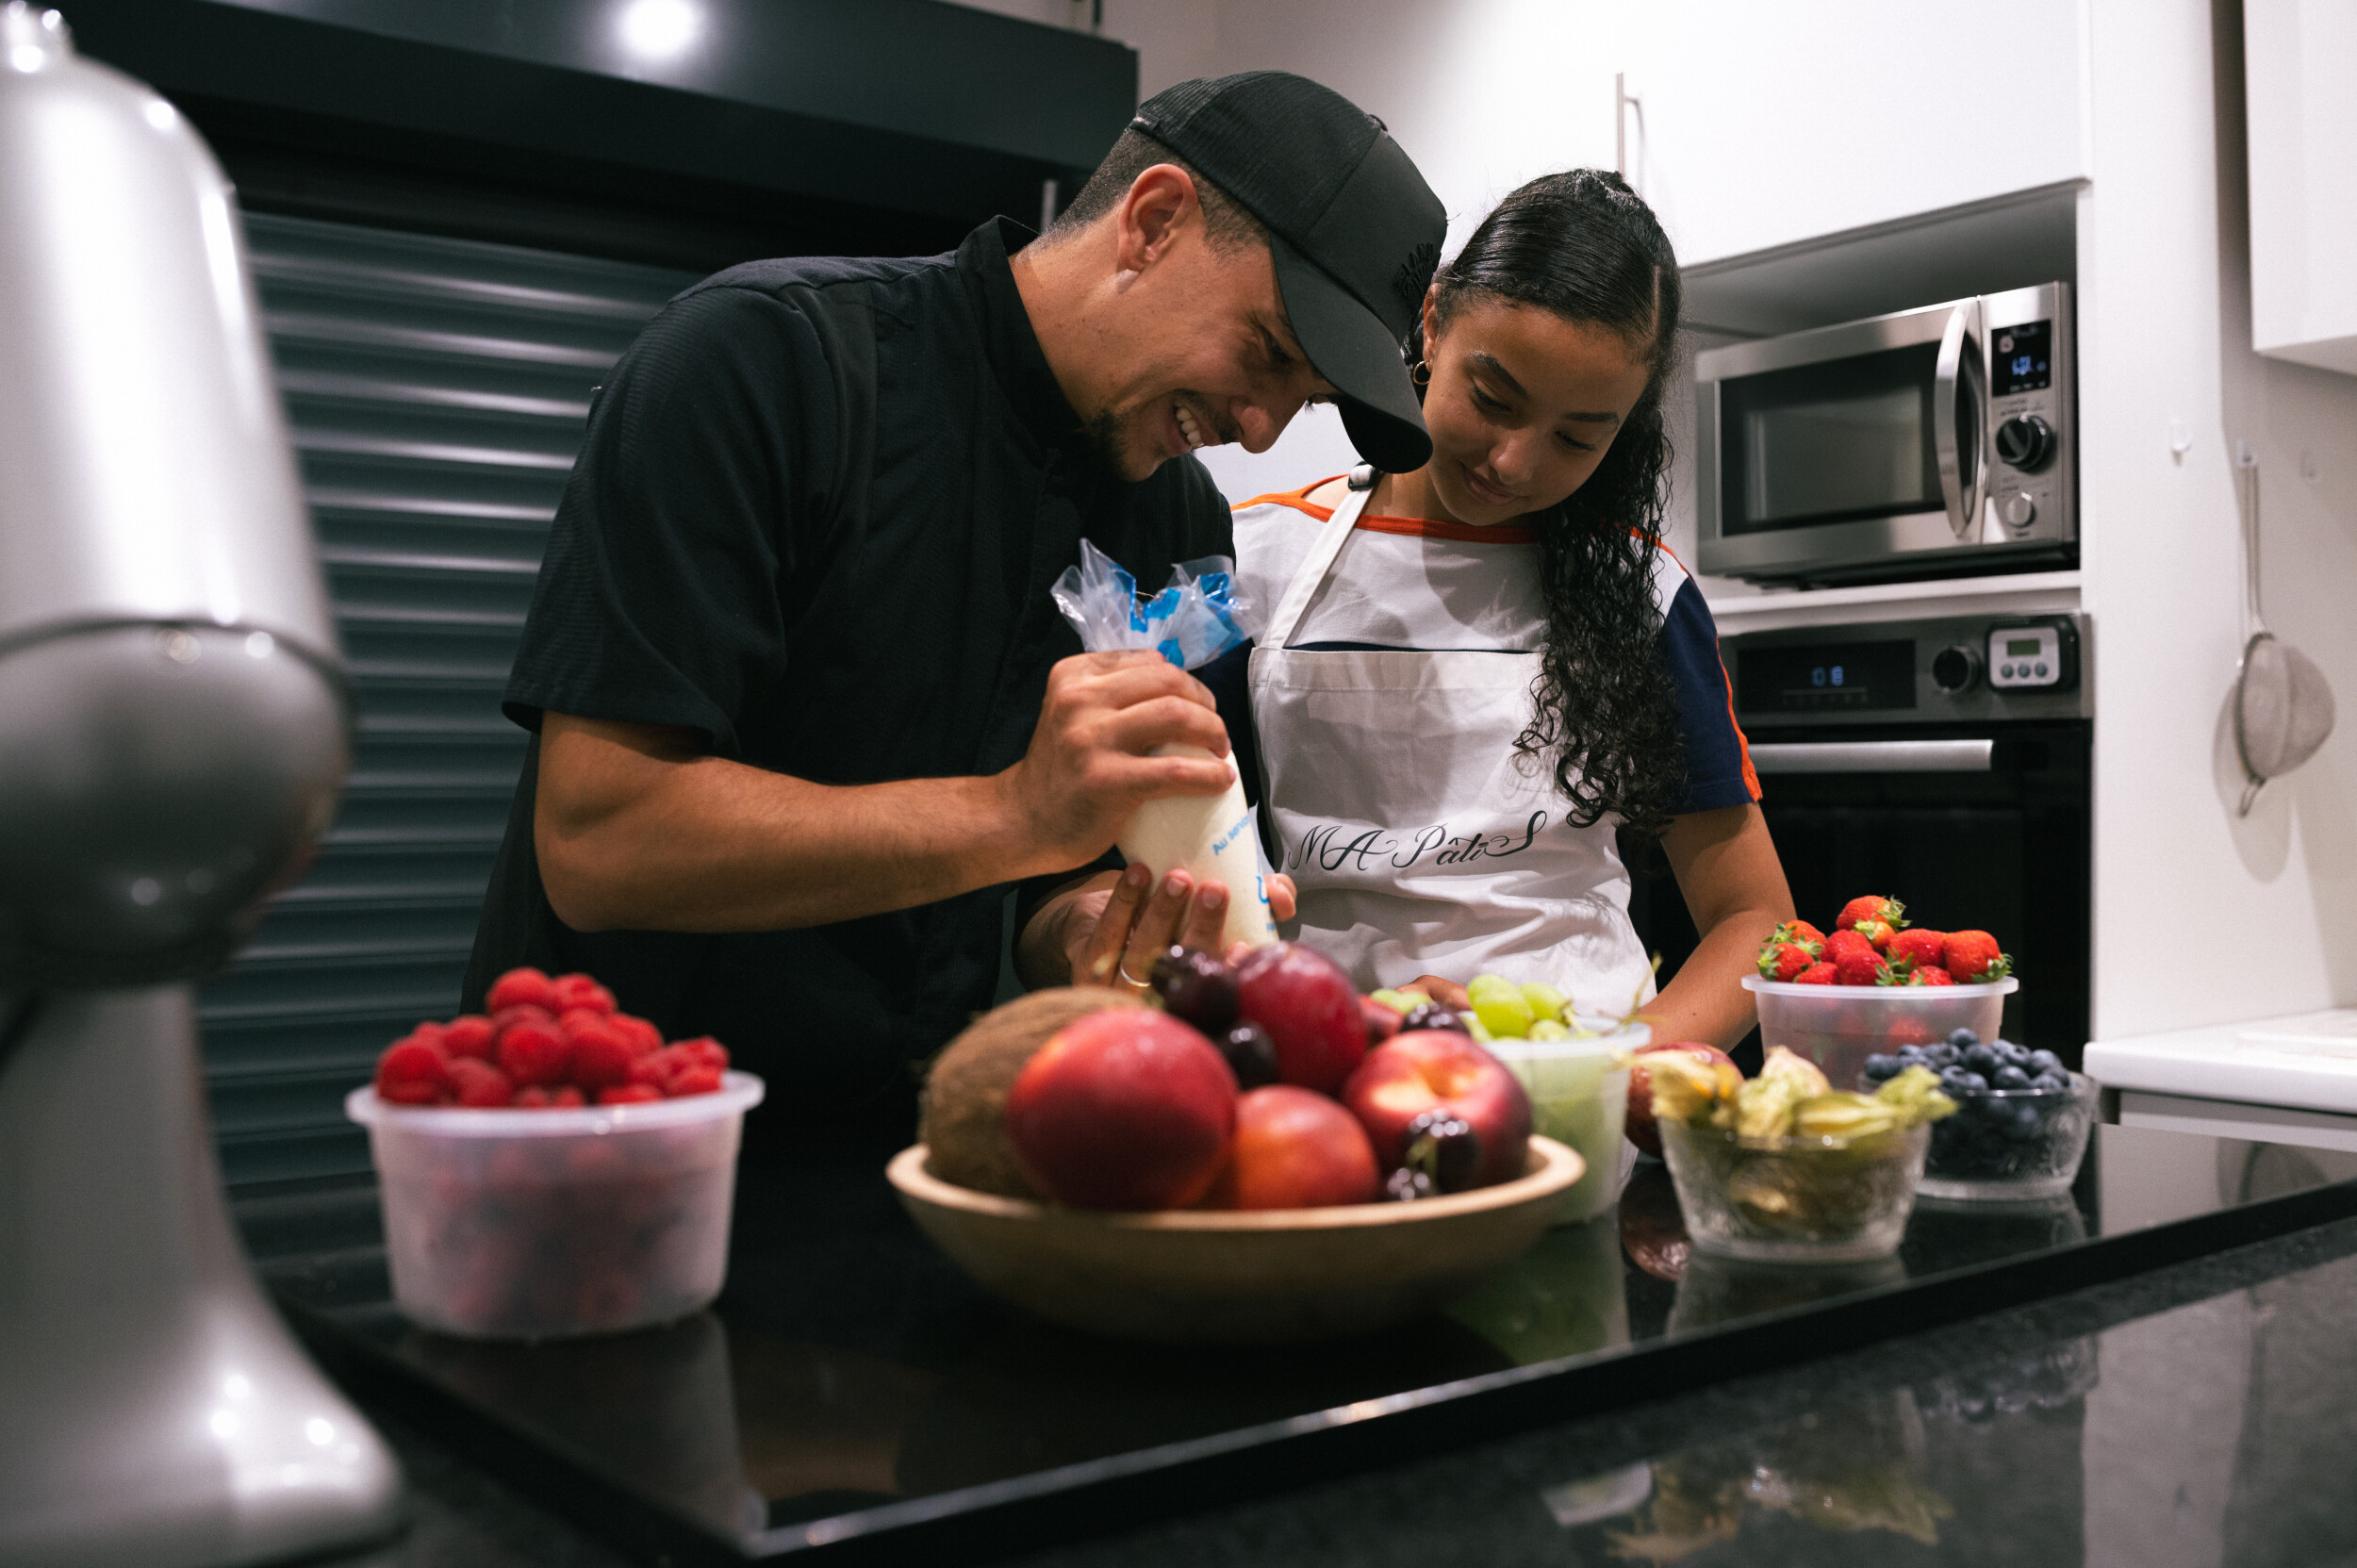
{"type": "Point", "coordinates": [1822, 677]}
{"type": "Point", "coordinates": [2020, 358]}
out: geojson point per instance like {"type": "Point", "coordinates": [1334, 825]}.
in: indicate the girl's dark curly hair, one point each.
{"type": "Point", "coordinates": [1583, 245]}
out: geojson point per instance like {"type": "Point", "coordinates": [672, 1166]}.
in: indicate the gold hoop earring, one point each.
{"type": "Point", "coordinates": [1421, 374]}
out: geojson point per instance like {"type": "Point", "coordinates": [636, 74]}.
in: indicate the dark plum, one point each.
{"type": "Point", "coordinates": [1251, 1054]}
{"type": "Point", "coordinates": [1432, 1014]}
{"type": "Point", "coordinates": [1198, 989]}
{"type": "Point", "coordinates": [1444, 1146]}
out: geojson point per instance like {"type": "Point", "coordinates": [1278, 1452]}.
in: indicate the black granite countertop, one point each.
{"type": "Point", "coordinates": [2132, 1374]}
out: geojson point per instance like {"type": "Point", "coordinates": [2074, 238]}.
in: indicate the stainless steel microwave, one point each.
{"type": "Point", "coordinates": [1938, 442]}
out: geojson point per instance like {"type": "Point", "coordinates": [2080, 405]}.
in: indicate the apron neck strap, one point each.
{"type": "Point", "coordinates": [1327, 545]}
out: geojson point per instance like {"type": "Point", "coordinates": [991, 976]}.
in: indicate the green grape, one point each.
{"type": "Point", "coordinates": [1505, 1016]}
{"type": "Point", "coordinates": [1549, 1028]}
{"type": "Point", "coordinates": [1545, 1000]}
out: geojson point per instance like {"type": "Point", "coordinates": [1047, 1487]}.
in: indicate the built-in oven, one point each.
{"type": "Point", "coordinates": [1943, 762]}
{"type": "Point", "coordinates": [1926, 442]}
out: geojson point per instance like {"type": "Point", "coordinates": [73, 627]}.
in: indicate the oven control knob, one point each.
{"type": "Point", "coordinates": [2019, 509]}
{"type": "Point", "coordinates": [2025, 443]}
{"type": "Point", "coordinates": [1956, 667]}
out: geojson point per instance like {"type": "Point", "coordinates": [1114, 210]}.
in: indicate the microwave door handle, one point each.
{"type": "Point", "coordinates": [1961, 473]}
{"type": "Point", "coordinates": [1874, 756]}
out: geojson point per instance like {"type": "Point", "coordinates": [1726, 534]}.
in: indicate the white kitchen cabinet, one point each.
{"type": "Point", "coordinates": [2299, 69]}
{"type": "Point", "coordinates": [1767, 124]}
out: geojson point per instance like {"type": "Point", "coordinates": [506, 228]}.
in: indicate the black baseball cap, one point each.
{"type": "Point", "coordinates": [1354, 230]}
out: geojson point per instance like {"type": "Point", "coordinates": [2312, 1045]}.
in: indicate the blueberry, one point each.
{"type": "Point", "coordinates": [2010, 1077]}
{"type": "Point", "coordinates": [1940, 1055]}
{"type": "Point", "coordinates": [2009, 1051]}
{"type": "Point", "coordinates": [2043, 1061]}
{"type": "Point", "coordinates": [1972, 1083]}
{"type": "Point", "coordinates": [2026, 1120]}
{"type": "Point", "coordinates": [2051, 1082]}
{"type": "Point", "coordinates": [1909, 1054]}
{"type": "Point", "coordinates": [1880, 1068]}
{"type": "Point", "coordinates": [1982, 1060]}
{"type": "Point", "coordinates": [1963, 1038]}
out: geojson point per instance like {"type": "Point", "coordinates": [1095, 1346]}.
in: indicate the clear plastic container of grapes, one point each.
{"type": "Point", "coordinates": [2010, 1146]}
{"type": "Point", "coordinates": [503, 1224]}
{"type": "Point", "coordinates": [1578, 1091]}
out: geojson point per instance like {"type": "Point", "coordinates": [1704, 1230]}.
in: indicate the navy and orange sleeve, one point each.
{"type": "Point", "coordinates": [1718, 759]}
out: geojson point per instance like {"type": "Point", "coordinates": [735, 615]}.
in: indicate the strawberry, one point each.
{"type": "Point", "coordinates": [567, 991]}
{"type": "Point", "coordinates": [1781, 961]}
{"type": "Point", "coordinates": [1855, 967]}
{"type": "Point", "coordinates": [412, 1072]}
{"type": "Point", "coordinates": [1918, 947]}
{"type": "Point", "coordinates": [1908, 1031]}
{"type": "Point", "coordinates": [630, 1094]}
{"type": "Point", "coordinates": [534, 1054]}
{"type": "Point", "coordinates": [471, 1035]}
{"type": "Point", "coordinates": [1878, 933]}
{"type": "Point", "coordinates": [601, 1055]}
{"type": "Point", "coordinates": [1931, 975]}
{"type": "Point", "coordinates": [478, 1082]}
{"type": "Point", "coordinates": [1890, 912]}
{"type": "Point", "coordinates": [1842, 942]}
{"type": "Point", "coordinates": [1819, 973]}
{"type": "Point", "coordinates": [1973, 958]}
{"type": "Point", "coordinates": [525, 987]}
{"type": "Point", "coordinates": [1801, 934]}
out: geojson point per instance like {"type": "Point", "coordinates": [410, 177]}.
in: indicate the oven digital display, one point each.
{"type": "Point", "coordinates": [2017, 648]}
{"type": "Point", "coordinates": [2020, 358]}
{"type": "Point", "coordinates": [1817, 677]}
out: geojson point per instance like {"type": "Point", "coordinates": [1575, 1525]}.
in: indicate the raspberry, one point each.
{"type": "Point", "coordinates": [643, 1036]}
{"type": "Point", "coordinates": [430, 1033]}
{"type": "Point", "coordinates": [504, 1017]}
{"type": "Point", "coordinates": [411, 1072]}
{"type": "Point", "coordinates": [479, 1083]}
{"type": "Point", "coordinates": [601, 1056]}
{"type": "Point", "coordinates": [531, 1097]}
{"type": "Point", "coordinates": [534, 1053]}
{"type": "Point", "coordinates": [630, 1094]}
{"type": "Point", "coordinates": [704, 1051]}
{"type": "Point", "coordinates": [652, 1070]}
{"type": "Point", "coordinates": [568, 992]}
{"type": "Point", "coordinates": [471, 1035]}
{"type": "Point", "coordinates": [525, 987]}
{"type": "Point", "coordinates": [695, 1080]}
{"type": "Point", "coordinates": [565, 1098]}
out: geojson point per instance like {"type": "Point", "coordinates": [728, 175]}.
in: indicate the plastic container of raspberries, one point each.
{"type": "Point", "coordinates": [1839, 1027]}
{"type": "Point", "coordinates": [545, 1223]}
{"type": "Point", "coordinates": [2020, 1127]}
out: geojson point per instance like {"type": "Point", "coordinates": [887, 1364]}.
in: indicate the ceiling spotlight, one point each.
{"type": "Point", "coordinates": [661, 30]}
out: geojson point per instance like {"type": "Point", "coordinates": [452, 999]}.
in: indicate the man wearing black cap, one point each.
{"type": "Point", "coordinates": [803, 706]}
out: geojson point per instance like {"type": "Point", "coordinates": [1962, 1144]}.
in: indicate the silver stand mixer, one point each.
{"type": "Point", "coordinates": [175, 727]}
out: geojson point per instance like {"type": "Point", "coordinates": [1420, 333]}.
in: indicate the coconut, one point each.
{"type": "Point", "coordinates": [964, 1125]}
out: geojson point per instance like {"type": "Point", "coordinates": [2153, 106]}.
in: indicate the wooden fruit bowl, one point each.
{"type": "Point", "coordinates": [1222, 1277]}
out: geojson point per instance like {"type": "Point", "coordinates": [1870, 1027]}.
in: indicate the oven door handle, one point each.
{"type": "Point", "coordinates": [1957, 388]}
{"type": "Point", "coordinates": [1874, 756]}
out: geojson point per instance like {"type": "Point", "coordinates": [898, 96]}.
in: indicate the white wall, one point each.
{"type": "Point", "coordinates": [2202, 918]}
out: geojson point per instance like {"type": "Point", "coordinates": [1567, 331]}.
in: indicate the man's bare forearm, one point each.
{"type": "Point", "coordinates": [634, 830]}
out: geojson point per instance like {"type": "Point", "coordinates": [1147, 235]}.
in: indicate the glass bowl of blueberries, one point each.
{"type": "Point", "coordinates": [2022, 1123]}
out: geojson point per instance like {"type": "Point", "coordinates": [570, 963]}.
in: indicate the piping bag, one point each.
{"type": "Point", "coordinates": [1191, 623]}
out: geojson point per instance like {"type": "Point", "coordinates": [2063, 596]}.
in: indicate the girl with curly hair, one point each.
{"type": "Point", "coordinates": [1475, 673]}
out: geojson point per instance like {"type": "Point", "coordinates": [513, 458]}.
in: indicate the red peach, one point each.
{"type": "Point", "coordinates": [1124, 1110]}
{"type": "Point", "coordinates": [1436, 1070]}
{"type": "Point", "coordinates": [1294, 1149]}
{"type": "Point", "coordinates": [1309, 1008]}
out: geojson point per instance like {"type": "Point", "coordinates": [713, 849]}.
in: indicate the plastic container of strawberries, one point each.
{"type": "Point", "coordinates": [1839, 1027]}
{"type": "Point", "coordinates": [550, 1224]}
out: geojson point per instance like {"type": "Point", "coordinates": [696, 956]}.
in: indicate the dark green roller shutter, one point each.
{"type": "Point", "coordinates": [437, 391]}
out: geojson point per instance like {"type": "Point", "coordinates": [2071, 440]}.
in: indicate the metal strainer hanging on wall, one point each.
{"type": "Point", "coordinates": [2282, 705]}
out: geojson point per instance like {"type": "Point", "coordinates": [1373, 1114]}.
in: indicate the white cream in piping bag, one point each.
{"type": "Point", "coordinates": [1211, 837]}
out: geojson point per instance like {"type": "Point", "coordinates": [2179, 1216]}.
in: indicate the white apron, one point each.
{"type": "Point", "coordinates": [1420, 839]}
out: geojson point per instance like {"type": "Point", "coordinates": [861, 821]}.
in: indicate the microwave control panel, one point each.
{"type": "Point", "coordinates": [2030, 430]}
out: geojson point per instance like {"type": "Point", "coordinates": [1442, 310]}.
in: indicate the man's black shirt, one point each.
{"type": "Point", "coordinates": [720, 561]}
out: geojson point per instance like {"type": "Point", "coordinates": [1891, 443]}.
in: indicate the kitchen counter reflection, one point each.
{"type": "Point", "coordinates": [849, 1373]}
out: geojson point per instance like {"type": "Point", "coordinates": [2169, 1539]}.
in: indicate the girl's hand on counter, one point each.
{"type": "Point", "coordinates": [1446, 992]}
